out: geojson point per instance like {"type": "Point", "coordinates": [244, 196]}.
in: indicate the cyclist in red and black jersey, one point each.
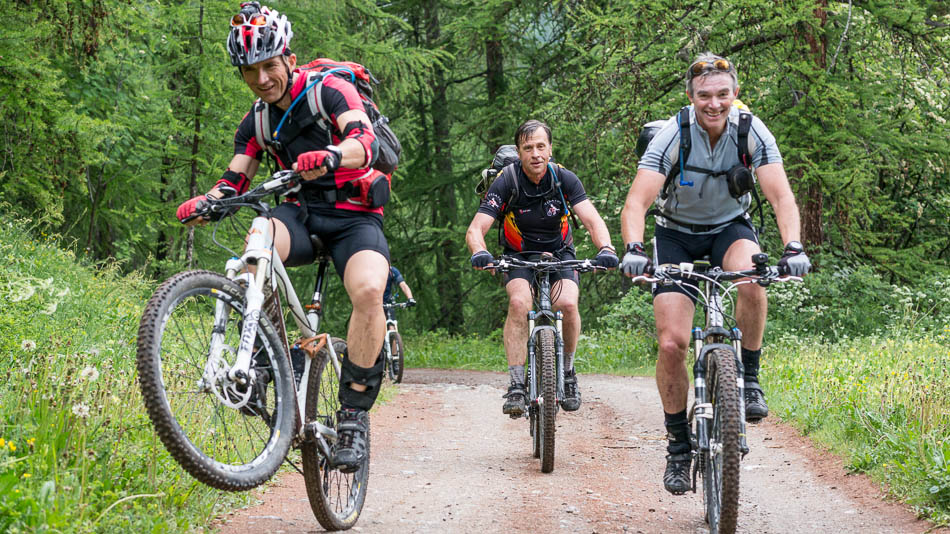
{"type": "Point", "coordinates": [535, 220]}
{"type": "Point", "coordinates": [331, 158]}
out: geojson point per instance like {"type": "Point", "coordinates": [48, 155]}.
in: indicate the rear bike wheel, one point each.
{"type": "Point", "coordinates": [336, 498]}
{"type": "Point", "coordinates": [398, 362]}
{"type": "Point", "coordinates": [721, 469]}
{"type": "Point", "coordinates": [548, 406]}
{"type": "Point", "coordinates": [226, 435]}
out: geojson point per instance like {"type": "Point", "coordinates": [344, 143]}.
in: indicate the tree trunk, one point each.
{"type": "Point", "coordinates": [445, 212]}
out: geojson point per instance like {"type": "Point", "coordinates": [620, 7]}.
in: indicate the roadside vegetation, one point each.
{"type": "Point", "coordinates": [77, 451]}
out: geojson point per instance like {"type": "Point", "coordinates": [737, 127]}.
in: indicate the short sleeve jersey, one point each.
{"type": "Point", "coordinates": [707, 201]}
{"type": "Point", "coordinates": [535, 221]}
{"type": "Point", "coordinates": [392, 284]}
{"type": "Point", "coordinates": [304, 133]}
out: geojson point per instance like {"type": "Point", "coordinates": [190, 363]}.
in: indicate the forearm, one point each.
{"type": "Point", "coordinates": [788, 219]}
{"type": "Point", "coordinates": [354, 155]}
{"type": "Point", "coordinates": [405, 289]}
{"type": "Point", "coordinates": [632, 221]}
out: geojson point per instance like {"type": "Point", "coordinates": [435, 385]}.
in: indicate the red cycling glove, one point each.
{"type": "Point", "coordinates": [187, 208]}
{"type": "Point", "coordinates": [329, 158]}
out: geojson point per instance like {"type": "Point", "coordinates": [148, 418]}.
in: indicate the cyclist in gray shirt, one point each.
{"type": "Point", "coordinates": [701, 210]}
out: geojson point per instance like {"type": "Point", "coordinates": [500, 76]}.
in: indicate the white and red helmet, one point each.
{"type": "Point", "coordinates": [257, 33]}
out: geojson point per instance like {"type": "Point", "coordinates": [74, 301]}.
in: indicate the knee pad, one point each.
{"type": "Point", "coordinates": [372, 378]}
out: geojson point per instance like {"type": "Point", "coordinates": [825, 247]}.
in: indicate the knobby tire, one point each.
{"type": "Point", "coordinates": [721, 476]}
{"type": "Point", "coordinates": [336, 498]}
{"type": "Point", "coordinates": [548, 390]}
{"type": "Point", "coordinates": [227, 448]}
{"type": "Point", "coordinates": [398, 364]}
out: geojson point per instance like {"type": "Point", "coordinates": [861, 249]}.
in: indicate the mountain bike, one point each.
{"type": "Point", "coordinates": [217, 376]}
{"type": "Point", "coordinates": [393, 350]}
{"type": "Point", "coordinates": [718, 413]}
{"type": "Point", "coordinates": [544, 368]}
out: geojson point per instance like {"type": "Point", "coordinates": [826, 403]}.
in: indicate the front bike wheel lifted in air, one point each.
{"type": "Point", "coordinates": [721, 467]}
{"type": "Point", "coordinates": [336, 498]}
{"type": "Point", "coordinates": [228, 435]}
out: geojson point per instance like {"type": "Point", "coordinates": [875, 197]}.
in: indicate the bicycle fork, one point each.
{"type": "Point", "coordinates": [704, 410]}
{"type": "Point", "coordinates": [532, 382]}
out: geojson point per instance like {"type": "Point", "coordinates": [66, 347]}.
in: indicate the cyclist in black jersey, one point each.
{"type": "Point", "coordinates": [536, 221]}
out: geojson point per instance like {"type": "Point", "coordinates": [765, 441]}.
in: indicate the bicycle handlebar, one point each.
{"type": "Point", "coordinates": [391, 305]}
{"type": "Point", "coordinates": [281, 183]}
{"type": "Point", "coordinates": [504, 264]}
{"type": "Point", "coordinates": [763, 274]}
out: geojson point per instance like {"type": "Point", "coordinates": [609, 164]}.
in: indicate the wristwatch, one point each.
{"type": "Point", "coordinates": [635, 247]}
{"type": "Point", "coordinates": [794, 247]}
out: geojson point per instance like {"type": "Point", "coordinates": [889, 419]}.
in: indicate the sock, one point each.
{"type": "Point", "coordinates": [568, 362]}
{"type": "Point", "coordinates": [750, 363]}
{"type": "Point", "coordinates": [677, 428]}
{"type": "Point", "coordinates": [516, 372]}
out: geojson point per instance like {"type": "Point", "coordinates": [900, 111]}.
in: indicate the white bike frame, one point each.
{"type": "Point", "coordinates": [269, 270]}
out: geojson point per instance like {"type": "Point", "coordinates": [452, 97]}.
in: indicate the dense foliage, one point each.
{"type": "Point", "coordinates": [113, 112]}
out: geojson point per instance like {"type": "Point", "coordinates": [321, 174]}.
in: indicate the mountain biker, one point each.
{"type": "Point", "coordinates": [326, 156]}
{"type": "Point", "coordinates": [394, 283]}
{"type": "Point", "coordinates": [535, 221]}
{"type": "Point", "coordinates": [701, 217]}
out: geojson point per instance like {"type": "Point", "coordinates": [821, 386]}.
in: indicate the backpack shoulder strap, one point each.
{"type": "Point", "coordinates": [745, 124]}
{"type": "Point", "coordinates": [262, 131]}
{"type": "Point", "coordinates": [511, 175]}
{"type": "Point", "coordinates": [556, 176]}
{"type": "Point", "coordinates": [315, 99]}
{"type": "Point", "coordinates": [686, 143]}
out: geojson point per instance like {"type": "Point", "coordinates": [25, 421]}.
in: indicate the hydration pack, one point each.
{"type": "Point", "coordinates": [315, 71]}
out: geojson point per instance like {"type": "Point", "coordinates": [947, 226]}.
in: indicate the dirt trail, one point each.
{"type": "Point", "coordinates": [444, 459]}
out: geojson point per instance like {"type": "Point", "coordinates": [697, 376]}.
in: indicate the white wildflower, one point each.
{"type": "Point", "coordinates": [81, 410]}
{"type": "Point", "coordinates": [90, 373]}
{"type": "Point", "coordinates": [28, 344]}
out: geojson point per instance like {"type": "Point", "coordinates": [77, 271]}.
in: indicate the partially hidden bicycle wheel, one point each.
{"type": "Point", "coordinates": [336, 498]}
{"type": "Point", "coordinates": [547, 379]}
{"type": "Point", "coordinates": [227, 435]}
{"type": "Point", "coordinates": [721, 470]}
{"type": "Point", "coordinates": [399, 357]}
{"type": "Point", "coordinates": [534, 418]}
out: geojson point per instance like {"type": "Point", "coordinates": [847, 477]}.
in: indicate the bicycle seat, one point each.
{"type": "Point", "coordinates": [319, 250]}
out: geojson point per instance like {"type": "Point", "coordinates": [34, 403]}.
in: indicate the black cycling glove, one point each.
{"type": "Point", "coordinates": [482, 259]}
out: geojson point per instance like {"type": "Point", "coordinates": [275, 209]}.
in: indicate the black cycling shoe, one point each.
{"type": "Point", "coordinates": [755, 407]}
{"type": "Point", "coordinates": [676, 479]}
{"type": "Point", "coordinates": [572, 394]}
{"type": "Point", "coordinates": [349, 451]}
{"type": "Point", "coordinates": [514, 401]}
{"type": "Point", "coordinates": [261, 369]}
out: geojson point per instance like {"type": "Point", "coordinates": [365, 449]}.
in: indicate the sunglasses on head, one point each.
{"type": "Point", "coordinates": [700, 67]}
{"type": "Point", "coordinates": [257, 19]}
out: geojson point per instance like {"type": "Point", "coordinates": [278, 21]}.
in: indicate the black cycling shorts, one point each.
{"type": "Point", "coordinates": [343, 233]}
{"type": "Point", "coordinates": [673, 246]}
{"type": "Point", "coordinates": [529, 274]}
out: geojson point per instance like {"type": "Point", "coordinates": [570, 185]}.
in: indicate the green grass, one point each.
{"type": "Point", "coordinates": [880, 402]}
{"type": "Point", "coordinates": [77, 451]}
{"type": "Point", "coordinates": [618, 353]}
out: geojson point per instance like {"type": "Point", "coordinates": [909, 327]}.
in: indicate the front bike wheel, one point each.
{"type": "Point", "coordinates": [548, 389]}
{"type": "Point", "coordinates": [721, 469]}
{"type": "Point", "coordinates": [399, 358]}
{"type": "Point", "coordinates": [534, 417]}
{"type": "Point", "coordinates": [227, 435]}
{"type": "Point", "coordinates": [336, 498]}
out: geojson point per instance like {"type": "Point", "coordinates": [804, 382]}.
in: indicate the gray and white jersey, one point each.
{"type": "Point", "coordinates": [707, 201]}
